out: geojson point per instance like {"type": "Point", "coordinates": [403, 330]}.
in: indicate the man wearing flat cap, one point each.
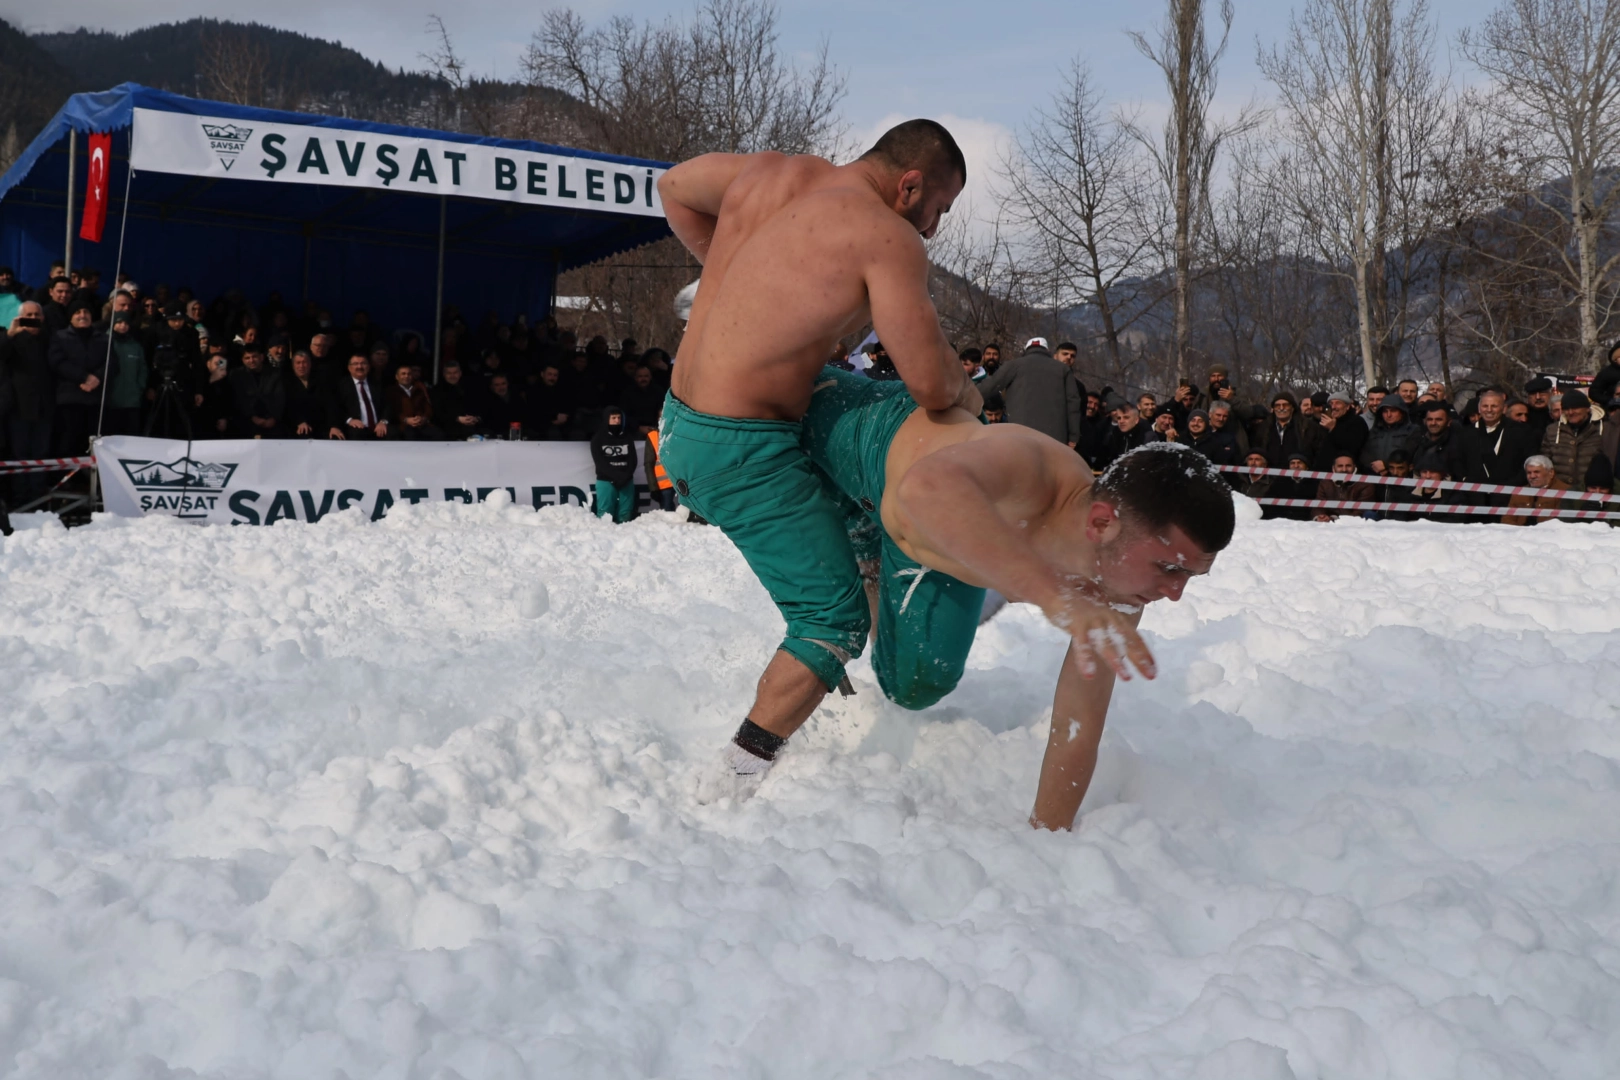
{"type": "Point", "coordinates": [1538, 395]}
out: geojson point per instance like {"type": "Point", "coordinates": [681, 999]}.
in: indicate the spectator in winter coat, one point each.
{"type": "Point", "coordinates": [1128, 431]}
{"type": "Point", "coordinates": [642, 401]}
{"type": "Point", "coordinates": [126, 390]}
{"type": "Point", "coordinates": [1500, 444]}
{"type": "Point", "coordinates": [547, 407]}
{"type": "Point", "coordinates": [1392, 432]}
{"type": "Point", "coordinates": [58, 295]}
{"type": "Point", "coordinates": [1432, 467]}
{"type": "Point", "coordinates": [1256, 484]}
{"type": "Point", "coordinates": [26, 380]}
{"type": "Point", "coordinates": [1606, 386]}
{"type": "Point", "coordinates": [1346, 434]}
{"type": "Point", "coordinates": [409, 408]}
{"type": "Point", "coordinates": [501, 408]}
{"type": "Point", "coordinates": [1041, 393]}
{"type": "Point", "coordinates": [305, 415]}
{"type": "Point", "coordinates": [613, 448]}
{"type": "Point", "coordinates": [1289, 432]}
{"type": "Point", "coordinates": [457, 416]}
{"type": "Point", "coordinates": [1538, 395]}
{"type": "Point", "coordinates": [258, 396]}
{"type": "Point", "coordinates": [1539, 474]}
{"type": "Point", "coordinates": [1223, 417]}
{"type": "Point", "coordinates": [1399, 467]}
{"type": "Point", "coordinates": [213, 407]}
{"type": "Point", "coordinates": [1600, 481]}
{"type": "Point", "coordinates": [1344, 487]}
{"type": "Point", "coordinates": [1219, 446]}
{"type": "Point", "coordinates": [1293, 486]}
{"type": "Point", "coordinates": [1443, 439]}
{"type": "Point", "coordinates": [81, 362]}
{"type": "Point", "coordinates": [1574, 440]}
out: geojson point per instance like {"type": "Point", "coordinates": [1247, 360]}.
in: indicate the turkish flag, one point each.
{"type": "Point", "coordinates": [95, 188]}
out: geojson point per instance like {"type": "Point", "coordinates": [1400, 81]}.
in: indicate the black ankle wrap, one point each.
{"type": "Point", "coordinates": [757, 741]}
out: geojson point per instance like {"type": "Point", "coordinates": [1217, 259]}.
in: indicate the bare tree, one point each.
{"type": "Point", "coordinates": [673, 91]}
{"type": "Point", "coordinates": [1556, 69]}
{"type": "Point", "coordinates": [235, 67]}
{"type": "Point", "coordinates": [976, 281]}
{"type": "Point", "coordinates": [1361, 105]}
{"type": "Point", "coordinates": [1191, 143]}
{"type": "Point", "coordinates": [1076, 185]}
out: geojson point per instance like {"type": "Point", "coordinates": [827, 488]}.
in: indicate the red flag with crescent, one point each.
{"type": "Point", "coordinates": [95, 188]}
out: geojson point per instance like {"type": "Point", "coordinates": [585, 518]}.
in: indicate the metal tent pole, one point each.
{"type": "Point", "coordinates": [438, 294]}
{"type": "Point", "coordinates": [73, 156]}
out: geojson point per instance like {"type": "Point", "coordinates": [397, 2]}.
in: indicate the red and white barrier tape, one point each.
{"type": "Point", "coordinates": [1447, 508]}
{"type": "Point", "coordinates": [63, 464]}
{"type": "Point", "coordinates": [1412, 481]}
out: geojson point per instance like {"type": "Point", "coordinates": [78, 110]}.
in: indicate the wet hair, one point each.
{"type": "Point", "coordinates": [1163, 484]}
{"type": "Point", "coordinates": [919, 144]}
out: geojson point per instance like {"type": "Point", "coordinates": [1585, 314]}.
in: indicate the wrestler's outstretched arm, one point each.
{"type": "Point", "coordinates": [692, 192]}
{"type": "Point", "coordinates": [966, 502]}
{"type": "Point", "coordinates": [1079, 710]}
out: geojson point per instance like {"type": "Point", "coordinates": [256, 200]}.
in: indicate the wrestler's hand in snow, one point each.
{"type": "Point", "coordinates": [1103, 633]}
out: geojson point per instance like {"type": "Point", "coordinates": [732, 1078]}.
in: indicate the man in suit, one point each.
{"type": "Point", "coordinates": [358, 408]}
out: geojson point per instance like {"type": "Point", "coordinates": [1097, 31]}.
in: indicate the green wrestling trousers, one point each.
{"type": "Point", "coordinates": [753, 479]}
{"type": "Point", "coordinates": [616, 499]}
{"type": "Point", "coordinates": [926, 620]}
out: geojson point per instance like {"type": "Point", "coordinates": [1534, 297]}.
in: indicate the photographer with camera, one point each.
{"type": "Point", "coordinates": [26, 371]}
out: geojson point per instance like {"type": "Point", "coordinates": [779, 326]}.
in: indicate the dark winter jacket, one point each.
{"type": "Point", "coordinates": [1453, 448]}
{"type": "Point", "coordinates": [257, 394]}
{"type": "Point", "coordinates": [1606, 385]}
{"type": "Point", "coordinates": [1301, 434]}
{"type": "Point", "coordinates": [614, 451]}
{"type": "Point", "coordinates": [1572, 450]}
{"type": "Point", "coordinates": [1221, 447]}
{"type": "Point", "coordinates": [74, 356]}
{"type": "Point", "coordinates": [25, 366]}
{"type": "Point", "coordinates": [1348, 437]}
{"type": "Point", "coordinates": [306, 405]}
{"type": "Point", "coordinates": [1041, 393]}
{"type": "Point", "coordinates": [1385, 439]}
{"type": "Point", "coordinates": [1118, 443]}
{"type": "Point", "coordinates": [1497, 457]}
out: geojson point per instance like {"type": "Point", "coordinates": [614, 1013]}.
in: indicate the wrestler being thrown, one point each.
{"type": "Point", "coordinates": [941, 507]}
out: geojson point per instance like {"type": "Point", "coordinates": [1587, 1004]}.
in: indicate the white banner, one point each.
{"type": "Point", "coordinates": [308, 154]}
{"type": "Point", "coordinates": [263, 481]}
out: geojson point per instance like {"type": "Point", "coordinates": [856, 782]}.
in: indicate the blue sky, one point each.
{"type": "Point", "coordinates": [979, 66]}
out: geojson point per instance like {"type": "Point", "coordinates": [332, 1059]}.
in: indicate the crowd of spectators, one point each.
{"type": "Point", "coordinates": [1536, 436]}
{"type": "Point", "coordinates": [73, 363]}
{"type": "Point", "coordinates": [170, 364]}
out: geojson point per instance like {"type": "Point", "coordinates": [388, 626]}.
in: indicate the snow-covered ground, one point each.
{"type": "Point", "coordinates": [414, 800]}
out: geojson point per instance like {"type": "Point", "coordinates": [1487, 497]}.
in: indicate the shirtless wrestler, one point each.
{"type": "Point", "coordinates": [949, 507]}
{"type": "Point", "coordinates": [796, 254]}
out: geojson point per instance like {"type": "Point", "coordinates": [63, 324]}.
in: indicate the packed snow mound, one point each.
{"type": "Point", "coordinates": [414, 799]}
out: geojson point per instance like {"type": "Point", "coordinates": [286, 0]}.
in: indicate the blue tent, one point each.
{"type": "Point", "coordinates": [323, 208]}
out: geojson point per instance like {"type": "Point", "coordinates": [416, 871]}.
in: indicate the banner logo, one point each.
{"type": "Point", "coordinates": [187, 488]}
{"type": "Point", "coordinates": [227, 140]}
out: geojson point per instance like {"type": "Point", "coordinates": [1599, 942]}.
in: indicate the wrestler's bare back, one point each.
{"type": "Point", "coordinates": [796, 245]}
{"type": "Point", "coordinates": [1040, 486]}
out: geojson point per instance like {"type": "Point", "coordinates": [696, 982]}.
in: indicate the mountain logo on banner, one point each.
{"type": "Point", "coordinates": [227, 140]}
{"type": "Point", "coordinates": [182, 475]}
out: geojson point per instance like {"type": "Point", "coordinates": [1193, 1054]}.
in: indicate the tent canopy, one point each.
{"type": "Point", "coordinates": [226, 196]}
